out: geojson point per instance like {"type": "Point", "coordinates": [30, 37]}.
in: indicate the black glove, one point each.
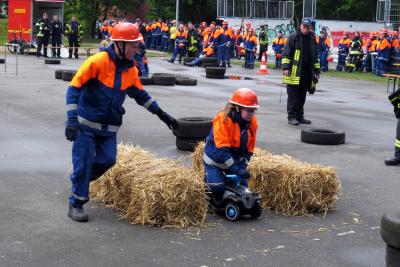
{"type": "Point", "coordinates": [243, 173]}
{"type": "Point", "coordinates": [71, 130]}
{"type": "Point", "coordinates": [167, 119]}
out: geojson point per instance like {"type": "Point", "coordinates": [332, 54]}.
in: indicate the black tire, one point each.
{"type": "Point", "coordinates": [12, 48]}
{"type": "Point", "coordinates": [188, 59]}
{"type": "Point", "coordinates": [187, 144]}
{"type": "Point", "coordinates": [256, 211]}
{"type": "Point", "coordinates": [2, 61]}
{"type": "Point", "coordinates": [58, 74]}
{"type": "Point", "coordinates": [215, 76]}
{"type": "Point", "coordinates": [232, 212]}
{"type": "Point", "coordinates": [161, 74]}
{"type": "Point", "coordinates": [146, 80]}
{"type": "Point", "coordinates": [193, 127]}
{"type": "Point", "coordinates": [186, 81]}
{"type": "Point", "coordinates": [390, 229]}
{"type": "Point", "coordinates": [164, 80]}
{"type": "Point", "coordinates": [322, 136]}
{"type": "Point", "coordinates": [207, 65]}
{"type": "Point", "coordinates": [215, 70]}
{"type": "Point", "coordinates": [52, 61]}
{"type": "Point", "coordinates": [209, 60]}
{"type": "Point", "coordinates": [392, 257]}
{"type": "Point", "coordinates": [68, 75]}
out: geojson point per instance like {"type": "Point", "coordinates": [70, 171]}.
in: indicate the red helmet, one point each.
{"type": "Point", "coordinates": [251, 30]}
{"type": "Point", "coordinates": [382, 31]}
{"type": "Point", "coordinates": [245, 97]}
{"type": "Point", "coordinates": [395, 33]}
{"type": "Point", "coordinates": [248, 24]}
{"type": "Point", "coordinates": [125, 32]}
{"type": "Point", "coordinates": [329, 59]}
{"type": "Point", "coordinates": [225, 22]}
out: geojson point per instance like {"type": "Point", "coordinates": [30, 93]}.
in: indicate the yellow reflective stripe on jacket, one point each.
{"type": "Point", "coordinates": [394, 99]}
{"type": "Point", "coordinates": [397, 144]}
{"type": "Point", "coordinates": [285, 61]}
{"type": "Point", "coordinates": [291, 80]}
{"type": "Point", "coordinates": [316, 65]}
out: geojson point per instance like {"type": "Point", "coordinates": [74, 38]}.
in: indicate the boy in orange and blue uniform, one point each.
{"type": "Point", "coordinates": [383, 50]}
{"type": "Point", "coordinates": [180, 44]}
{"type": "Point", "coordinates": [277, 45]}
{"type": "Point", "coordinates": [231, 143]}
{"type": "Point", "coordinates": [251, 47]}
{"type": "Point", "coordinates": [94, 110]}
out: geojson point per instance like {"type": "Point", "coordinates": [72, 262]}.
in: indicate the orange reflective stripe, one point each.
{"type": "Point", "coordinates": [253, 39]}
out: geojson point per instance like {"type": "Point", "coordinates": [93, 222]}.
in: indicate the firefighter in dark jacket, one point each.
{"type": "Point", "coordinates": [74, 31]}
{"type": "Point", "coordinates": [300, 71]}
{"type": "Point", "coordinates": [42, 34]}
{"type": "Point", "coordinates": [192, 40]}
{"type": "Point", "coordinates": [56, 32]}
{"type": "Point", "coordinates": [395, 100]}
{"type": "Point", "coordinates": [263, 41]}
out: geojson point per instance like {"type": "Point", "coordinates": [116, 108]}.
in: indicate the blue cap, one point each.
{"type": "Point", "coordinates": [306, 22]}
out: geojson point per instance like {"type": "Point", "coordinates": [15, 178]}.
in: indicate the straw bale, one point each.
{"type": "Point", "coordinates": [147, 190]}
{"type": "Point", "coordinates": [286, 184]}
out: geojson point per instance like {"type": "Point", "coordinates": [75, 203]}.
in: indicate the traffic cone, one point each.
{"type": "Point", "coordinates": [263, 66]}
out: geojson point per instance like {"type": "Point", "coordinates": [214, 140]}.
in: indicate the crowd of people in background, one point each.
{"type": "Point", "coordinates": [375, 52]}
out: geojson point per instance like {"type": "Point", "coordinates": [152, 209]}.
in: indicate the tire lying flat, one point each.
{"type": "Point", "coordinates": [392, 257]}
{"type": "Point", "coordinates": [164, 79]}
{"type": "Point", "coordinates": [212, 64]}
{"type": "Point", "coordinates": [215, 70]}
{"type": "Point", "coordinates": [187, 144]}
{"type": "Point", "coordinates": [390, 229]}
{"type": "Point", "coordinates": [68, 75]}
{"type": "Point", "coordinates": [146, 80]}
{"type": "Point", "coordinates": [322, 136]}
{"type": "Point", "coordinates": [52, 61]}
{"type": "Point", "coordinates": [193, 127]}
{"type": "Point", "coordinates": [58, 74]}
{"type": "Point", "coordinates": [183, 80]}
{"type": "Point", "coordinates": [215, 76]}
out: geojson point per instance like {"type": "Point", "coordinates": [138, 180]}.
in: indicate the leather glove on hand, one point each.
{"type": "Point", "coordinates": [243, 173]}
{"type": "Point", "coordinates": [71, 130]}
{"type": "Point", "coordinates": [167, 119]}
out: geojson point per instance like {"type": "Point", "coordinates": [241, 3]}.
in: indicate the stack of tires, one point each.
{"type": "Point", "coordinates": [215, 72]}
{"type": "Point", "coordinates": [191, 131]}
{"type": "Point", "coordinates": [209, 62]}
{"type": "Point", "coordinates": [390, 232]}
{"type": "Point", "coordinates": [52, 61]}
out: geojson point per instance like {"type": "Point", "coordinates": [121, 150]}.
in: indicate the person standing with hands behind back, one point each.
{"type": "Point", "coordinates": [300, 71]}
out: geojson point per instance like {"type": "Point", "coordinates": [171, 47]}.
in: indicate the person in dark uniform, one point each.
{"type": "Point", "coordinates": [56, 32]}
{"type": "Point", "coordinates": [300, 71]}
{"type": "Point", "coordinates": [43, 35]}
{"type": "Point", "coordinates": [74, 31]}
{"type": "Point", "coordinates": [263, 41]}
{"type": "Point", "coordinates": [395, 100]}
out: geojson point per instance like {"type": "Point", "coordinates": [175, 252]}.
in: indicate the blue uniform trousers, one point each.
{"type": "Point", "coordinates": [92, 156]}
{"type": "Point", "coordinates": [215, 178]}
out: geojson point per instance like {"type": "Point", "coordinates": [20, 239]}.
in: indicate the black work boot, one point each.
{"type": "Point", "coordinates": [395, 160]}
{"type": "Point", "coordinates": [304, 121]}
{"type": "Point", "coordinates": [293, 121]}
{"type": "Point", "coordinates": [77, 214]}
{"type": "Point", "coordinates": [392, 161]}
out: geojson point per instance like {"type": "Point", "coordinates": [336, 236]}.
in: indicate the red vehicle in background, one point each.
{"type": "Point", "coordinates": [22, 17]}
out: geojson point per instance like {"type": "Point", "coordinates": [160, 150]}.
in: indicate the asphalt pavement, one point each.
{"type": "Point", "coordinates": [35, 160]}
